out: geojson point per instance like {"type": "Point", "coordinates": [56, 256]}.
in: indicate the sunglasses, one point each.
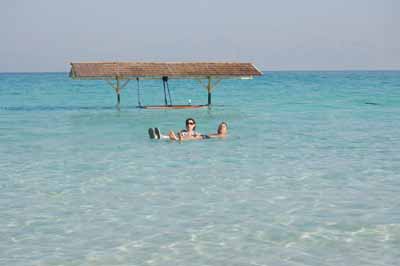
{"type": "Point", "coordinates": [190, 123]}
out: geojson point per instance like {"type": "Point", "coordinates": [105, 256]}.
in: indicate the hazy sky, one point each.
{"type": "Point", "coordinates": [45, 35]}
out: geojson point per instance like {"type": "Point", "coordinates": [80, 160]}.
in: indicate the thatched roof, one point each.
{"type": "Point", "coordinates": [126, 70]}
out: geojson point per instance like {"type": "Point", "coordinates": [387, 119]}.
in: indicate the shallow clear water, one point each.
{"type": "Point", "coordinates": [310, 174]}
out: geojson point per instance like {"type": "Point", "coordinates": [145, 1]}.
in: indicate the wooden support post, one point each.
{"type": "Point", "coordinates": [209, 88]}
{"type": "Point", "coordinates": [118, 90]}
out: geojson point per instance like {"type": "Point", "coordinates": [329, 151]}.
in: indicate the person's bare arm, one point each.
{"type": "Point", "coordinates": [172, 135]}
{"type": "Point", "coordinates": [188, 137]}
{"type": "Point", "coordinates": [216, 135]}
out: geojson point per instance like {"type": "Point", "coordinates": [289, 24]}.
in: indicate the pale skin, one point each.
{"type": "Point", "coordinates": [222, 131]}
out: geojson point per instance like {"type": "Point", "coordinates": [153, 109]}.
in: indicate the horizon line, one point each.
{"type": "Point", "coordinates": [275, 70]}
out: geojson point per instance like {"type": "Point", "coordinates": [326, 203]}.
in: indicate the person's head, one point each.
{"type": "Point", "coordinates": [190, 124]}
{"type": "Point", "coordinates": [222, 128]}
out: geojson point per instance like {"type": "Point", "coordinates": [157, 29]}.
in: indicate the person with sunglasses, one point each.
{"type": "Point", "coordinates": [186, 134]}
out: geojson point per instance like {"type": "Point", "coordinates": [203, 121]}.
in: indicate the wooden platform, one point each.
{"type": "Point", "coordinates": [169, 107]}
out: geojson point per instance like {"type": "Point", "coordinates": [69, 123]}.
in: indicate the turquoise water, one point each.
{"type": "Point", "coordinates": [310, 174]}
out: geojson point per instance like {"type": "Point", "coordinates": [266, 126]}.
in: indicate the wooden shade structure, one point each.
{"type": "Point", "coordinates": [209, 74]}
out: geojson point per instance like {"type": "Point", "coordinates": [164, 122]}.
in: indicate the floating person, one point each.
{"type": "Point", "coordinates": [222, 132]}
{"type": "Point", "coordinates": [188, 133]}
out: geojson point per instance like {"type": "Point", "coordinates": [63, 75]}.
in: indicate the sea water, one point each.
{"type": "Point", "coordinates": [309, 175]}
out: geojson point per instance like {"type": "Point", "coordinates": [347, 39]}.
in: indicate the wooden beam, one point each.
{"type": "Point", "coordinates": [159, 77]}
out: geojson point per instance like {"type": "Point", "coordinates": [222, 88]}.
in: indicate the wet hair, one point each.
{"type": "Point", "coordinates": [222, 123]}
{"type": "Point", "coordinates": [191, 119]}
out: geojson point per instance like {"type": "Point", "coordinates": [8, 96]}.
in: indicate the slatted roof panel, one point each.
{"type": "Point", "coordinates": [97, 70]}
